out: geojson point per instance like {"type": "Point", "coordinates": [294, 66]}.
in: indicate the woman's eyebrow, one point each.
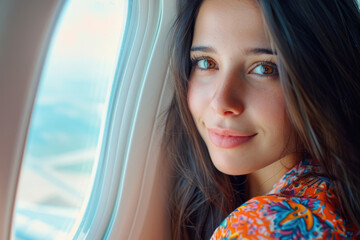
{"type": "Point", "coordinates": [260, 51]}
{"type": "Point", "coordinates": [202, 49]}
{"type": "Point", "coordinates": [248, 51]}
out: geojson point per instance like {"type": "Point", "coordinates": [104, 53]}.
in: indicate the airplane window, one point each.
{"type": "Point", "coordinates": [68, 119]}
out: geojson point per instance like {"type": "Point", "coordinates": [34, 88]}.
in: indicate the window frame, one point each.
{"type": "Point", "coordinates": [130, 185]}
{"type": "Point", "coordinates": [25, 32]}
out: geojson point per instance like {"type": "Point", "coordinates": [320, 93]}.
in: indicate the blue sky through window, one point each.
{"type": "Point", "coordinates": [68, 118]}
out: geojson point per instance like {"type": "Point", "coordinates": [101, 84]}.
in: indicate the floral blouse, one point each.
{"type": "Point", "coordinates": [299, 206]}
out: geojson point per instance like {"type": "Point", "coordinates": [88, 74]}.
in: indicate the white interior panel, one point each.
{"type": "Point", "coordinates": [25, 29]}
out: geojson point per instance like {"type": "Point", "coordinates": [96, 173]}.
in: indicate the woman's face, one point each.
{"type": "Point", "coordinates": [234, 93]}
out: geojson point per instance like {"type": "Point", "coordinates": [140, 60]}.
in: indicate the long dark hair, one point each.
{"type": "Point", "coordinates": [318, 46]}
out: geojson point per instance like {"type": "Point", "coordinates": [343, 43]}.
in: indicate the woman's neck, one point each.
{"type": "Point", "coordinates": [262, 181]}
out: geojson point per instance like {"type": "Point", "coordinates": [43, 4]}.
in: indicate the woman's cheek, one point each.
{"type": "Point", "coordinates": [194, 98]}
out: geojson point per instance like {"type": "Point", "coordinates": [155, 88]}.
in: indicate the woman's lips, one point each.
{"type": "Point", "coordinates": [228, 138]}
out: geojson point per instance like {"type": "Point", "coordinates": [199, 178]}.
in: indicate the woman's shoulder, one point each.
{"type": "Point", "coordinates": [300, 206]}
{"type": "Point", "coordinates": [273, 216]}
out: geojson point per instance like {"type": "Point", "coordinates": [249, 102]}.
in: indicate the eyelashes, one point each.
{"type": "Point", "coordinates": [265, 68]}
{"type": "Point", "coordinates": [261, 68]}
{"type": "Point", "coordinates": [203, 63]}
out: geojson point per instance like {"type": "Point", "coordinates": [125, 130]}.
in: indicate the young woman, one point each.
{"type": "Point", "coordinates": [265, 121]}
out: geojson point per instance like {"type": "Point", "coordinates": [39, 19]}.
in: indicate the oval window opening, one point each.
{"type": "Point", "coordinates": [67, 124]}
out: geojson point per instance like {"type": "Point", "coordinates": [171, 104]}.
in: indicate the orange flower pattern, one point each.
{"type": "Point", "coordinates": [302, 205]}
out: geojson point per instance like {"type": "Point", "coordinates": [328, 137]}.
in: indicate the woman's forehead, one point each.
{"type": "Point", "coordinates": [229, 24]}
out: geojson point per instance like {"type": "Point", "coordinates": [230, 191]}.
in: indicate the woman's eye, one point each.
{"type": "Point", "coordinates": [265, 69]}
{"type": "Point", "coordinates": [206, 64]}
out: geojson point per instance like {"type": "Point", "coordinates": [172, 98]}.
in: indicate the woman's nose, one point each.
{"type": "Point", "coordinates": [227, 98]}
